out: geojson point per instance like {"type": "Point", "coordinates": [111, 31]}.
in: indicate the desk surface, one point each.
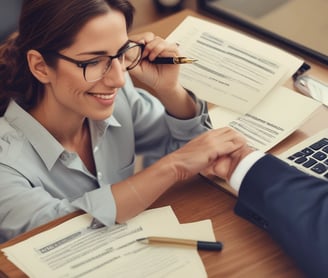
{"type": "Point", "coordinates": [248, 251]}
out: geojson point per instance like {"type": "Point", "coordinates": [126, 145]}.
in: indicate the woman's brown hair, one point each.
{"type": "Point", "coordinates": [45, 25]}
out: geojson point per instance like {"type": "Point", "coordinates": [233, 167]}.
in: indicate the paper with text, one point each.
{"type": "Point", "coordinates": [272, 120]}
{"type": "Point", "coordinates": [233, 70]}
{"type": "Point", "coordinates": [73, 249]}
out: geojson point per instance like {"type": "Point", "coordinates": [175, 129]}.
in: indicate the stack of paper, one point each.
{"type": "Point", "coordinates": [233, 70]}
{"type": "Point", "coordinates": [272, 120]}
{"type": "Point", "coordinates": [243, 77]}
{"type": "Point", "coordinates": [74, 249]}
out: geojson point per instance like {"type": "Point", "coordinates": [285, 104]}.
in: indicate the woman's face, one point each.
{"type": "Point", "coordinates": [68, 92]}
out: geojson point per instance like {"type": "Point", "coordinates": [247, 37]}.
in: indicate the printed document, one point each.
{"type": "Point", "coordinates": [232, 70]}
{"type": "Point", "coordinates": [243, 78]}
{"type": "Point", "coordinates": [272, 120]}
{"type": "Point", "coordinates": [75, 249]}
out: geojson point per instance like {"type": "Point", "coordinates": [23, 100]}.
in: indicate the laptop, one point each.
{"type": "Point", "coordinates": [295, 24]}
{"type": "Point", "coordinates": [310, 155]}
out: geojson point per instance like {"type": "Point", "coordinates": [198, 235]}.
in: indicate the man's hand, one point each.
{"type": "Point", "coordinates": [225, 165]}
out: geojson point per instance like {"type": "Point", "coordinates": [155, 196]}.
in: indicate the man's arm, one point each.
{"type": "Point", "coordinates": [292, 207]}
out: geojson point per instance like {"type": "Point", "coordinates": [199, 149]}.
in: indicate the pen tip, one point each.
{"type": "Point", "coordinates": [190, 60]}
{"type": "Point", "coordinates": [184, 60]}
{"type": "Point", "coordinates": [143, 239]}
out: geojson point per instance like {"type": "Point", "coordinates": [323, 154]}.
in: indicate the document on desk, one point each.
{"type": "Point", "coordinates": [244, 78]}
{"type": "Point", "coordinates": [232, 69]}
{"type": "Point", "coordinates": [275, 118]}
{"type": "Point", "coordinates": [73, 249]}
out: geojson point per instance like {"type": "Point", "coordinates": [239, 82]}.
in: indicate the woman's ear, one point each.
{"type": "Point", "coordinates": [38, 66]}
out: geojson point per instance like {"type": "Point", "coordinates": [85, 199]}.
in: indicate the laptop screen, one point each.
{"type": "Point", "coordinates": [300, 25]}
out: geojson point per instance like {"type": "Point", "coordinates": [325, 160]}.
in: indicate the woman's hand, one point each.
{"type": "Point", "coordinates": [214, 152]}
{"type": "Point", "coordinates": [162, 79]}
{"type": "Point", "coordinates": [202, 153]}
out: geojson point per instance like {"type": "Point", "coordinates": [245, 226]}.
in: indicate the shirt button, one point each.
{"type": "Point", "coordinates": [64, 156]}
{"type": "Point", "coordinates": [99, 175]}
{"type": "Point", "coordinates": [96, 148]}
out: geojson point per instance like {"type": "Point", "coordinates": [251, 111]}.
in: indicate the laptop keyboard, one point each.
{"type": "Point", "coordinates": [314, 157]}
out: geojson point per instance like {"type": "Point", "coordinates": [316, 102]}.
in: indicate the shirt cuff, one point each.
{"type": "Point", "coordinates": [243, 167]}
{"type": "Point", "coordinates": [99, 203]}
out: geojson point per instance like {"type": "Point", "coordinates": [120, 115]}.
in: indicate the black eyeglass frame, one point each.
{"type": "Point", "coordinates": [83, 64]}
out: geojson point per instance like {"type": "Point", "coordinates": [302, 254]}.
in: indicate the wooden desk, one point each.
{"type": "Point", "coordinates": [248, 251]}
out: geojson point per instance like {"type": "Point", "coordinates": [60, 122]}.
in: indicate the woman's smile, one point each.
{"type": "Point", "coordinates": [104, 98]}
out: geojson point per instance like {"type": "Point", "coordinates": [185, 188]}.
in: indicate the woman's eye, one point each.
{"type": "Point", "coordinates": [93, 63]}
{"type": "Point", "coordinates": [96, 61]}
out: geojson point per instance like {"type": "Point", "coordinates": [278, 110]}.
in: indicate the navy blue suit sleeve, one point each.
{"type": "Point", "coordinates": [292, 207]}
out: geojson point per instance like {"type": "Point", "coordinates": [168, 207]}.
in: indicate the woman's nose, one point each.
{"type": "Point", "coordinates": [115, 76]}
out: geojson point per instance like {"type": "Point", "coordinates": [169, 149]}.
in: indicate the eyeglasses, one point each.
{"type": "Point", "coordinates": [95, 69]}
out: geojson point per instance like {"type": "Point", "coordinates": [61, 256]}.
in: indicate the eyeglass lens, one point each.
{"type": "Point", "coordinates": [129, 58]}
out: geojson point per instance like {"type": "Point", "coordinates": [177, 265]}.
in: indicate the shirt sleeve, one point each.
{"type": "Point", "coordinates": [157, 133]}
{"type": "Point", "coordinates": [243, 167]}
{"type": "Point", "coordinates": [106, 212]}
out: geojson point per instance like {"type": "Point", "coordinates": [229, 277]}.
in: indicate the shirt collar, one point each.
{"type": "Point", "coordinates": [47, 147]}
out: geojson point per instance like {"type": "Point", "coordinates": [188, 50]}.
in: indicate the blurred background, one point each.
{"type": "Point", "coordinates": [147, 12]}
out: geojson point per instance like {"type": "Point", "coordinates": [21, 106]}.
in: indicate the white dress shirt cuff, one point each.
{"type": "Point", "coordinates": [243, 167]}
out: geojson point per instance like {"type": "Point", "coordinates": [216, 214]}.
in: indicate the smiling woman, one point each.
{"type": "Point", "coordinates": [73, 121]}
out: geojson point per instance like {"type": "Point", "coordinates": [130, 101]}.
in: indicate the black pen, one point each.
{"type": "Point", "coordinates": [200, 245]}
{"type": "Point", "coordinates": [173, 60]}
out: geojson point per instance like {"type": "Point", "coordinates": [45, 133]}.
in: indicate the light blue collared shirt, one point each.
{"type": "Point", "coordinates": [41, 181]}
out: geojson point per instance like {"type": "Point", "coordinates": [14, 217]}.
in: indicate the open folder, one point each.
{"type": "Point", "coordinates": [243, 77]}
